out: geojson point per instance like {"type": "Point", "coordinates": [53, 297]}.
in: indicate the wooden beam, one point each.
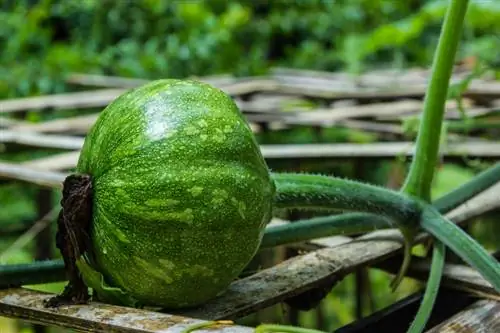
{"type": "Point", "coordinates": [42, 140]}
{"type": "Point", "coordinates": [46, 179]}
{"type": "Point", "coordinates": [458, 277]}
{"type": "Point", "coordinates": [482, 316]}
{"type": "Point", "coordinates": [76, 100]}
{"type": "Point", "coordinates": [97, 317]}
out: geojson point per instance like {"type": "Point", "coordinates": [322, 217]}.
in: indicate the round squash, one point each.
{"type": "Point", "coordinates": [181, 194]}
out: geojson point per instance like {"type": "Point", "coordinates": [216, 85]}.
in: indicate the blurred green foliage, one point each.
{"type": "Point", "coordinates": [43, 40]}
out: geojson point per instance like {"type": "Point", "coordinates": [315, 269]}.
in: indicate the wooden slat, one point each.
{"type": "Point", "coordinates": [57, 162]}
{"type": "Point", "coordinates": [459, 277]}
{"type": "Point", "coordinates": [87, 99]}
{"type": "Point", "coordinates": [481, 317]}
{"type": "Point", "coordinates": [46, 179]}
{"type": "Point", "coordinates": [379, 80]}
{"type": "Point", "coordinates": [41, 140]}
{"type": "Point", "coordinates": [28, 305]}
{"type": "Point", "coordinates": [75, 125]}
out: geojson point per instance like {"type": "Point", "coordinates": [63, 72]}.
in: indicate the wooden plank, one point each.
{"type": "Point", "coordinates": [97, 317]}
{"type": "Point", "coordinates": [375, 150]}
{"type": "Point", "coordinates": [42, 140]}
{"type": "Point", "coordinates": [379, 79]}
{"type": "Point", "coordinates": [75, 125]}
{"type": "Point", "coordinates": [77, 100]}
{"type": "Point", "coordinates": [9, 122]}
{"type": "Point", "coordinates": [459, 277]}
{"type": "Point", "coordinates": [304, 272]}
{"type": "Point", "coordinates": [46, 179]}
{"type": "Point", "coordinates": [481, 317]}
{"type": "Point", "coordinates": [56, 162]}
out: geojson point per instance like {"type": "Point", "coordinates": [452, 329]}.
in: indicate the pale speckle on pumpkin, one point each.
{"type": "Point", "coordinates": [151, 268]}
{"type": "Point", "coordinates": [195, 190]}
{"type": "Point", "coordinates": [203, 137]}
{"type": "Point", "coordinates": [120, 235]}
{"type": "Point", "coordinates": [161, 202]}
{"type": "Point", "coordinates": [191, 130]}
{"type": "Point", "coordinates": [168, 264]}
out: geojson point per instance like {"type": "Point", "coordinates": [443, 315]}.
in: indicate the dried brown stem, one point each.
{"type": "Point", "coordinates": [73, 236]}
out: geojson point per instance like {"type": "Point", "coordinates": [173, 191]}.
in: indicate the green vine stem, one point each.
{"type": "Point", "coordinates": [462, 244]}
{"type": "Point", "coordinates": [420, 177]}
{"type": "Point", "coordinates": [49, 271]}
{"type": "Point", "coordinates": [324, 226]}
{"type": "Point", "coordinates": [431, 290]}
{"type": "Point", "coordinates": [323, 192]}
{"type": "Point", "coordinates": [421, 173]}
{"type": "Point", "coordinates": [318, 192]}
{"type": "Point", "coordinates": [476, 185]}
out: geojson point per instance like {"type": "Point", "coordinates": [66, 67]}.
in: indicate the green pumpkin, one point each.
{"type": "Point", "coordinates": [181, 195]}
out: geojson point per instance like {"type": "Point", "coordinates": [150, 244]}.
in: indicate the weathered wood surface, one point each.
{"type": "Point", "coordinates": [481, 317]}
{"type": "Point", "coordinates": [455, 276]}
{"type": "Point", "coordinates": [96, 317]}
{"type": "Point", "coordinates": [41, 140]}
{"type": "Point", "coordinates": [46, 179]}
{"type": "Point", "coordinates": [76, 100]}
{"type": "Point", "coordinates": [56, 162]}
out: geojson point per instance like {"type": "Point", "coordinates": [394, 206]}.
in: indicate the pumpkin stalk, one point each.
{"type": "Point", "coordinates": [316, 192]}
{"type": "Point", "coordinates": [72, 238]}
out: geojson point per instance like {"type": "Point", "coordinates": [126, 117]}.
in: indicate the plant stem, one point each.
{"type": "Point", "coordinates": [327, 193]}
{"type": "Point", "coordinates": [32, 273]}
{"type": "Point", "coordinates": [421, 173]}
{"type": "Point", "coordinates": [303, 230]}
{"type": "Point", "coordinates": [459, 195]}
{"type": "Point", "coordinates": [462, 244]}
{"type": "Point", "coordinates": [431, 290]}
{"type": "Point", "coordinates": [419, 180]}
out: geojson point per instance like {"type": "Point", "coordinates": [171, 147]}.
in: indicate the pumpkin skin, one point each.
{"type": "Point", "coordinates": [181, 195]}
